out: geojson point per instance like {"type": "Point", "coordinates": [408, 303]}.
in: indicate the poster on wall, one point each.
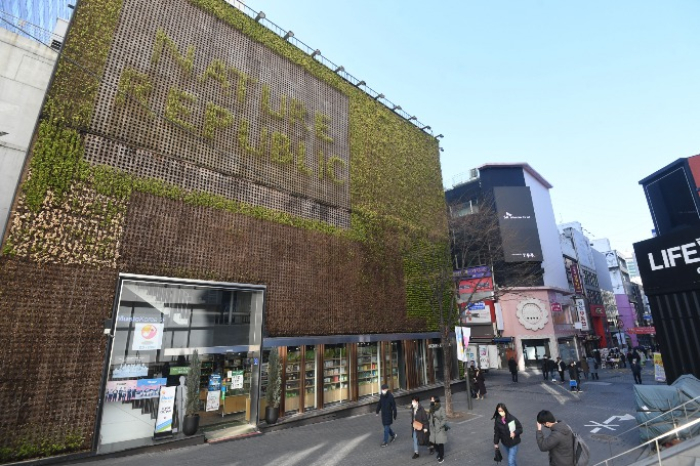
{"type": "Point", "coordinates": [472, 353]}
{"type": "Point", "coordinates": [148, 388]}
{"type": "Point", "coordinates": [236, 380]}
{"type": "Point", "coordinates": [147, 337]}
{"type": "Point", "coordinates": [659, 372]}
{"type": "Point", "coordinates": [213, 398]}
{"type": "Point", "coordinates": [484, 356]}
{"type": "Point", "coordinates": [164, 420]}
{"type": "Point", "coordinates": [120, 390]}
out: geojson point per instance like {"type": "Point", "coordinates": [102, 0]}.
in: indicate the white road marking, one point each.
{"type": "Point", "coordinates": [557, 396]}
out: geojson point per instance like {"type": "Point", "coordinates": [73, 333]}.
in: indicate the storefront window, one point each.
{"type": "Point", "coordinates": [367, 369]}
{"type": "Point", "coordinates": [158, 326]}
{"type": "Point", "coordinates": [395, 378]}
{"type": "Point", "coordinates": [310, 378]}
{"type": "Point", "coordinates": [292, 383]}
{"type": "Point", "coordinates": [336, 375]}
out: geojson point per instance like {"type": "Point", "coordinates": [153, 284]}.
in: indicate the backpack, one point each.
{"type": "Point", "coordinates": [582, 454]}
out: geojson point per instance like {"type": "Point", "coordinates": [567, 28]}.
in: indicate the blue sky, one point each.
{"type": "Point", "coordinates": [594, 95]}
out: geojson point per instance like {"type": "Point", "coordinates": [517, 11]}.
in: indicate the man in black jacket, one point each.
{"type": "Point", "coordinates": [387, 406]}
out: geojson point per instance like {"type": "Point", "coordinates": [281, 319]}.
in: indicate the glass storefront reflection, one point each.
{"type": "Point", "coordinates": [158, 326]}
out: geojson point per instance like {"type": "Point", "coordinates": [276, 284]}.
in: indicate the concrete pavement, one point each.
{"type": "Point", "coordinates": [600, 414]}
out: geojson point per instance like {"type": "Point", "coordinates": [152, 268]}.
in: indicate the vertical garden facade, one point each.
{"type": "Point", "coordinates": [197, 182]}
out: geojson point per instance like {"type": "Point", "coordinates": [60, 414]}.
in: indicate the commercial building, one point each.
{"type": "Point", "coordinates": [534, 315]}
{"type": "Point", "coordinates": [668, 264]}
{"type": "Point", "coordinates": [198, 182]}
{"type": "Point", "coordinates": [581, 266]}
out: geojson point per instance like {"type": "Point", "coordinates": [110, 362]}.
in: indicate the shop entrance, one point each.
{"type": "Point", "coordinates": [157, 327]}
{"type": "Point", "coordinates": [534, 350]}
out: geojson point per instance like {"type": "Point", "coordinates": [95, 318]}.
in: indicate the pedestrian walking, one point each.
{"type": "Point", "coordinates": [438, 432]}
{"type": "Point", "coordinates": [480, 384]}
{"type": "Point", "coordinates": [419, 426]}
{"type": "Point", "coordinates": [636, 371]}
{"type": "Point", "coordinates": [553, 367]}
{"type": "Point", "coordinates": [585, 368]}
{"type": "Point", "coordinates": [623, 359]}
{"type": "Point", "coordinates": [593, 366]}
{"type": "Point", "coordinates": [559, 443]}
{"type": "Point", "coordinates": [574, 377]}
{"type": "Point", "coordinates": [507, 431]}
{"type": "Point", "coordinates": [387, 406]}
{"type": "Point", "coordinates": [545, 367]}
{"type": "Point", "coordinates": [561, 367]}
{"type": "Point", "coordinates": [513, 367]}
{"type": "Point", "coordinates": [471, 371]}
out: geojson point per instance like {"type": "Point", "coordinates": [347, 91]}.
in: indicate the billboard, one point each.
{"type": "Point", "coordinates": [671, 262]}
{"type": "Point", "coordinates": [517, 224]}
{"type": "Point", "coordinates": [576, 279]}
{"type": "Point", "coordinates": [582, 314]}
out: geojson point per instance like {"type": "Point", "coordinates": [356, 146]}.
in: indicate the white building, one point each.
{"type": "Point", "coordinates": [26, 67]}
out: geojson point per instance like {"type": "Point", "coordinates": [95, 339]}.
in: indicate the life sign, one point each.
{"type": "Point", "coordinates": [670, 263]}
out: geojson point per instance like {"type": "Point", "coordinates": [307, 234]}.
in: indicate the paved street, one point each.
{"type": "Point", "coordinates": [355, 441]}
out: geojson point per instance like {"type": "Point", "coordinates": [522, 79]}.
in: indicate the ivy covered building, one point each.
{"type": "Point", "coordinates": [197, 182]}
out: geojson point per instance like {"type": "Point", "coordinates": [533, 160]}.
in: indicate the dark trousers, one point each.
{"type": "Point", "coordinates": [514, 376]}
{"type": "Point", "coordinates": [638, 379]}
{"type": "Point", "coordinates": [561, 376]}
{"type": "Point", "coordinates": [545, 374]}
{"type": "Point", "coordinates": [440, 448]}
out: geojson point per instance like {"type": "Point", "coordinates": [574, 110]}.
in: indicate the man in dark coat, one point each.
{"type": "Point", "coordinates": [387, 406]}
{"type": "Point", "coordinates": [545, 367]}
{"type": "Point", "coordinates": [636, 371]}
{"type": "Point", "coordinates": [513, 367]}
{"type": "Point", "coordinates": [561, 367]}
{"type": "Point", "coordinates": [559, 443]}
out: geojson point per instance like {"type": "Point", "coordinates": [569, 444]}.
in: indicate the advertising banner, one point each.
{"type": "Point", "coordinates": [164, 420]}
{"type": "Point", "coordinates": [462, 335]}
{"type": "Point", "coordinates": [147, 337]}
{"type": "Point", "coordinates": [597, 310]}
{"type": "Point", "coordinates": [582, 315]}
{"type": "Point", "coordinates": [148, 388]}
{"type": "Point", "coordinates": [642, 330]}
{"type": "Point", "coordinates": [120, 390]}
{"type": "Point", "coordinates": [576, 280]}
{"type": "Point", "coordinates": [475, 285]}
{"type": "Point", "coordinates": [517, 224]}
{"type": "Point", "coordinates": [475, 313]}
{"type": "Point", "coordinates": [470, 273]}
{"type": "Point", "coordinates": [659, 373]}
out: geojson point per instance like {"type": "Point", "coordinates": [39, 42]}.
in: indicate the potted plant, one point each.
{"type": "Point", "coordinates": [274, 384]}
{"type": "Point", "coordinates": [191, 422]}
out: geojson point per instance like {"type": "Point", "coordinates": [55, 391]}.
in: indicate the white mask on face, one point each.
{"type": "Point", "coordinates": [384, 392]}
{"type": "Point", "coordinates": [415, 405]}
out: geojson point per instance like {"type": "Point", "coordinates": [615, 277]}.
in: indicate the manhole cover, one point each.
{"type": "Point", "coordinates": [606, 438]}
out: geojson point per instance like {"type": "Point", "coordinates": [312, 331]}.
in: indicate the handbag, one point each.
{"type": "Point", "coordinates": [446, 427]}
{"type": "Point", "coordinates": [417, 425]}
{"type": "Point", "coordinates": [498, 457]}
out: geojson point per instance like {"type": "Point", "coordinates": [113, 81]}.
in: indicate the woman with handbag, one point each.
{"type": "Point", "coordinates": [438, 428]}
{"type": "Point", "coordinates": [506, 430]}
{"type": "Point", "coordinates": [419, 425]}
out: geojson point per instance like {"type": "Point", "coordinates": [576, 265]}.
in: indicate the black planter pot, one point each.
{"type": "Point", "coordinates": [191, 424]}
{"type": "Point", "coordinates": [272, 414]}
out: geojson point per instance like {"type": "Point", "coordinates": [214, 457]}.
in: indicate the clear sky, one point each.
{"type": "Point", "coordinates": [594, 95]}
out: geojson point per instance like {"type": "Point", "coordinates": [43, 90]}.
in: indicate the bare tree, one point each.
{"type": "Point", "coordinates": [475, 239]}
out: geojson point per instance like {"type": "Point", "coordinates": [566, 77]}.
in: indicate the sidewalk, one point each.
{"type": "Point", "coordinates": [356, 440]}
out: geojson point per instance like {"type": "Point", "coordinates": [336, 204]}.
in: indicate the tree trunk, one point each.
{"type": "Point", "coordinates": [447, 373]}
